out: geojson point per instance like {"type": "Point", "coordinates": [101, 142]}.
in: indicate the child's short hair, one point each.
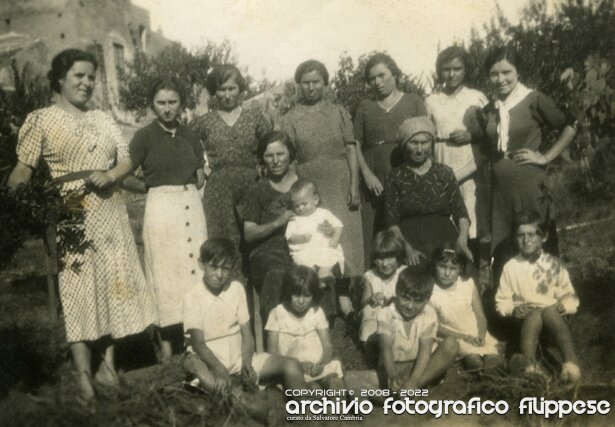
{"type": "Point", "coordinates": [414, 284]}
{"type": "Point", "coordinates": [303, 184]}
{"type": "Point", "coordinates": [217, 251]}
{"type": "Point", "coordinates": [388, 245]}
{"type": "Point", "coordinates": [300, 280]}
{"type": "Point", "coordinates": [526, 217]}
{"type": "Point", "coordinates": [449, 252]}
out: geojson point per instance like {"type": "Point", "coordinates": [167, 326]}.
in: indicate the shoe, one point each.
{"type": "Point", "coordinates": [570, 372]}
{"type": "Point", "coordinates": [536, 369]}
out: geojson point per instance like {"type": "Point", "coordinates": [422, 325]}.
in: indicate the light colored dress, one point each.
{"type": "Point", "coordinates": [453, 112]}
{"type": "Point", "coordinates": [315, 252]}
{"type": "Point", "coordinates": [369, 321]}
{"type": "Point", "coordinates": [320, 133]}
{"type": "Point", "coordinates": [298, 337]}
{"type": "Point", "coordinates": [454, 308]}
{"type": "Point", "coordinates": [107, 294]}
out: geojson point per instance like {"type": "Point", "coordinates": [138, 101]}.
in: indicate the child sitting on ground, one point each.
{"type": "Point", "coordinates": [407, 331]}
{"type": "Point", "coordinates": [379, 289]}
{"type": "Point", "coordinates": [217, 320]}
{"type": "Point", "coordinates": [298, 328]}
{"type": "Point", "coordinates": [460, 310]}
{"type": "Point", "coordinates": [535, 289]}
{"type": "Point", "coordinates": [308, 245]}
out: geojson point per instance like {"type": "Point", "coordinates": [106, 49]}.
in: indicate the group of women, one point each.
{"type": "Point", "coordinates": [402, 163]}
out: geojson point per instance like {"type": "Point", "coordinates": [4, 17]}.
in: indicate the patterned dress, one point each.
{"type": "Point", "coordinates": [232, 159]}
{"type": "Point", "coordinates": [108, 294]}
{"type": "Point", "coordinates": [376, 129]}
{"type": "Point", "coordinates": [320, 133]}
{"type": "Point", "coordinates": [422, 206]}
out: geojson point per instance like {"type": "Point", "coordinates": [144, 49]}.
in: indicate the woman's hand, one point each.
{"type": "Point", "coordinates": [100, 179]}
{"type": "Point", "coordinates": [460, 137]}
{"type": "Point", "coordinates": [462, 245]}
{"type": "Point", "coordinates": [316, 369]}
{"type": "Point", "coordinates": [525, 156]}
{"type": "Point", "coordinates": [414, 256]}
{"type": "Point", "coordinates": [354, 200]}
{"type": "Point", "coordinates": [284, 217]}
{"type": "Point", "coordinates": [326, 229]}
{"type": "Point", "coordinates": [373, 183]}
{"type": "Point", "coordinates": [247, 371]}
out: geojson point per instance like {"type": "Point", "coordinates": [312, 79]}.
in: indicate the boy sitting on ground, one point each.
{"type": "Point", "coordinates": [535, 289]}
{"type": "Point", "coordinates": [217, 320]}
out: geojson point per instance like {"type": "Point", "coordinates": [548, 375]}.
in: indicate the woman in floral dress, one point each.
{"type": "Point", "coordinates": [107, 296]}
{"type": "Point", "coordinates": [230, 134]}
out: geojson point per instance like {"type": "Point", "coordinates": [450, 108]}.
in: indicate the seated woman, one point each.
{"type": "Point", "coordinates": [421, 196]}
{"type": "Point", "coordinates": [265, 211]}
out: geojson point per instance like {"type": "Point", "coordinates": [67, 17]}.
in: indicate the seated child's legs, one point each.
{"type": "Point", "coordinates": [195, 366]}
{"type": "Point", "coordinates": [273, 364]}
{"type": "Point", "coordinates": [473, 362]}
{"type": "Point", "coordinates": [556, 325]}
{"type": "Point", "coordinates": [440, 361]}
{"type": "Point", "coordinates": [530, 333]}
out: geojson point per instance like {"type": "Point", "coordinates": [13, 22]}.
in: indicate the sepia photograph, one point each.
{"type": "Point", "coordinates": [306, 212]}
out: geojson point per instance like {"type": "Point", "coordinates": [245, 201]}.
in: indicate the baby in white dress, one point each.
{"type": "Point", "coordinates": [308, 244]}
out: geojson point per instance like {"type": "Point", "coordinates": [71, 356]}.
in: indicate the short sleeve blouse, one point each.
{"type": "Point", "coordinates": [231, 146]}
{"type": "Point", "coordinates": [320, 130]}
{"type": "Point", "coordinates": [166, 158]}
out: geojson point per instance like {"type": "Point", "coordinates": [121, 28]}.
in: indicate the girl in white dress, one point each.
{"type": "Point", "coordinates": [298, 328]}
{"type": "Point", "coordinates": [460, 311]}
{"type": "Point", "coordinates": [379, 288]}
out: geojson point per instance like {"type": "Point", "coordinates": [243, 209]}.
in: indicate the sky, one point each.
{"type": "Point", "coordinates": [271, 37]}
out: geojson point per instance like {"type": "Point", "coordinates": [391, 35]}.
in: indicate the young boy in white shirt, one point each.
{"type": "Point", "coordinates": [217, 320]}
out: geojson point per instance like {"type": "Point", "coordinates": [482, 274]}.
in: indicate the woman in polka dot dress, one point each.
{"type": "Point", "coordinates": [107, 297]}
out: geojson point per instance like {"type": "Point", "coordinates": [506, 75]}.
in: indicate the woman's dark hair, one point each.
{"type": "Point", "coordinates": [300, 280]}
{"type": "Point", "coordinates": [388, 245]}
{"type": "Point", "coordinates": [220, 74]}
{"type": "Point", "coordinates": [218, 251]}
{"type": "Point", "coordinates": [384, 59]}
{"type": "Point", "coordinates": [526, 217]}
{"type": "Point", "coordinates": [168, 83]}
{"type": "Point", "coordinates": [500, 53]}
{"type": "Point", "coordinates": [449, 252]}
{"type": "Point", "coordinates": [309, 66]}
{"type": "Point", "coordinates": [63, 61]}
{"type": "Point", "coordinates": [414, 284]}
{"type": "Point", "coordinates": [453, 52]}
{"type": "Point", "coordinates": [270, 138]}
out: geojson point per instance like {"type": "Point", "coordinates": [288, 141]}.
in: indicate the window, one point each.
{"type": "Point", "coordinates": [118, 56]}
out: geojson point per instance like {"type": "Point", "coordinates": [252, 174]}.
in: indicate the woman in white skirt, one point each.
{"type": "Point", "coordinates": [174, 228]}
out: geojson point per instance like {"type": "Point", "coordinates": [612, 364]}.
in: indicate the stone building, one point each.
{"type": "Point", "coordinates": [33, 31]}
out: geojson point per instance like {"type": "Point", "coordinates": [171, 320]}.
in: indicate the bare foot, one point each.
{"type": "Point", "coordinates": [86, 391]}
{"type": "Point", "coordinates": [106, 375]}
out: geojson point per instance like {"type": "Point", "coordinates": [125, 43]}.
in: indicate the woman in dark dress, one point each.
{"type": "Point", "coordinates": [375, 128]}
{"type": "Point", "coordinates": [421, 196]}
{"type": "Point", "coordinates": [514, 123]}
{"type": "Point", "coordinates": [265, 211]}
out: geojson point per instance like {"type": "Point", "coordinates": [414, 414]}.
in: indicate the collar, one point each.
{"type": "Point", "coordinates": [165, 129]}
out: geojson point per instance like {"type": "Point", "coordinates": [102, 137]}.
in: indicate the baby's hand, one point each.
{"type": "Point", "coordinates": [299, 238]}
{"type": "Point", "coordinates": [326, 229]}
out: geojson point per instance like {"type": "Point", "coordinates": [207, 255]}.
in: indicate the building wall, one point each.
{"type": "Point", "coordinates": [103, 27]}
